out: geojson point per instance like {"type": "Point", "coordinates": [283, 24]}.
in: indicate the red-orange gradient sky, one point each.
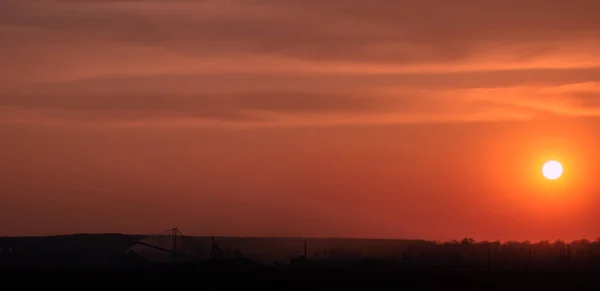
{"type": "Point", "coordinates": [382, 118]}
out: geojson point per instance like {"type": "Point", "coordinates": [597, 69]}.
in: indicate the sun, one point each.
{"type": "Point", "coordinates": [552, 170]}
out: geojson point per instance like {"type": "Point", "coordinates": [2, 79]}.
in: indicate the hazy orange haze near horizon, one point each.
{"type": "Point", "coordinates": [398, 119]}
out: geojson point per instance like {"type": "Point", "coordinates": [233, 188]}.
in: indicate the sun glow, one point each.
{"type": "Point", "coordinates": [552, 170]}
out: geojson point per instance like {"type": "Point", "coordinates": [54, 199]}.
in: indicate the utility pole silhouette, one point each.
{"type": "Point", "coordinates": [215, 252]}
{"type": "Point", "coordinates": [174, 238]}
{"type": "Point", "coordinates": [569, 256]}
{"type": "Point", "coordinates": [305, 253]}
{"type": "Point", "coordinates": [530, 258]}
{"type": "Point", "coordinates": [212, 249]}
{"type": "Point", "coordinates": [489, 257]}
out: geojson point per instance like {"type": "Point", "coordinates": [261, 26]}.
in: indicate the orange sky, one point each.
{"type": "Point", "coordinates": [383, 118]}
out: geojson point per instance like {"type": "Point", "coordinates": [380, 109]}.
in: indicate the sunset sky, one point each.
{"type": "Point", "coordinates": [323, 118]}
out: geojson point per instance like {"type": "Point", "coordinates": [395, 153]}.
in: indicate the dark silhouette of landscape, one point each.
{"type": "Point", "coordinates": [311, 263]}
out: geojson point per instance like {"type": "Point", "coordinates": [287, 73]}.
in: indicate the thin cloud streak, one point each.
{"type": "Point", "coordinates": [289, 63]}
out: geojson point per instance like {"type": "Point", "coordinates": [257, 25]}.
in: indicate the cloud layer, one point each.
{"type": "Point", "coordinates": [297, 62]}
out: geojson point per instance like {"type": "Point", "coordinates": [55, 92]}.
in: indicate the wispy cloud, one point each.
{"type": "Point", "coordinates": [297, 62]}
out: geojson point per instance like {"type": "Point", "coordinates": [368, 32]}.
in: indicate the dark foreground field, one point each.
{"type": "Point", "coordinates": [107, 261]}
{"type": "Point", "coordinates": [182, 279]}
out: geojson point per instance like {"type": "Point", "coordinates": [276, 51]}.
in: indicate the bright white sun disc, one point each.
{"type": "Point", "coordinates": [552, 170]}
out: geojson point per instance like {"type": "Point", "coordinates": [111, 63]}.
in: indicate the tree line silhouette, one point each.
{"type": "Point", "coordinates": [496, 255]}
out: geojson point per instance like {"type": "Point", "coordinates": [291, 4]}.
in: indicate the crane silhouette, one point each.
{"type": "Point", "coordinates": [170, 242]}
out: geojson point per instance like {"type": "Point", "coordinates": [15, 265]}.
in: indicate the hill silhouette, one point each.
{"type": "Point", "coordinates": [345, 261]}
{"type": "Point", "coordinates": [467, 253]}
